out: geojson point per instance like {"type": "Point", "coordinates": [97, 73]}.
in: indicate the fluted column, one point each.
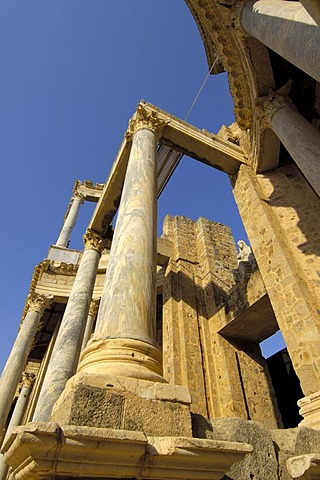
{"type": "Point", "coordinates": [17, 415]}
{"type": "Point", "coordinates": [18, 356]}
{"type": "Point", "coordinates": [288, 29]}
{"type": "Point", "coordinates": [124, 339]}
{"type": "Point", "coordinates": [93, 310]}
{"type": "Point", "coordinates": [70, 220]}
{"type": "Point", "coordinates": [65, 354]}
{"type": "Point", "coordinates": [300, 138]}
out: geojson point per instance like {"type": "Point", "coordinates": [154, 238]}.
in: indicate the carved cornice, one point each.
{"type": "Point", "coordinates": [28, 379]}
{"type": "Point", "coordinates": [145, 119]}
{"type": "Point", "coordinates": [93, 241]}
{"type": "Point", "coordinates": [94, 305]}
{"type": "Point", "coordinates": [38, 302]}
{"type": "Point", "coordinates": [63, 268]}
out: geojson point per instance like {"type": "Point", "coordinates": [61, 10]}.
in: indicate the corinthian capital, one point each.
{"type": "Point", "coordinates": [78, 196]}
{"type": "Point", "coordinates": [145, 119]}
{"type": "Point", "coordinates": [38, 302]}
{"type": "Point", "coordinates": [93, 241]}
{"type": "Point", "coordinates": [28, 379]}
{"type": "Point", "coordinates": [268, 105]}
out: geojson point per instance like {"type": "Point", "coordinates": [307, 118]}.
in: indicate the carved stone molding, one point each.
{"type": "Point", "coordinates": [93, 241]}
{"type": "Point", "coordinates": [93, 309]}
{"type": "Point", "coordinates": [28, 379]}
{"type": "Point", "coordinates": [38, 302]}
{"type": "Point", "coordinates": [144, 119]}
{"type": "Point", "coordinates": [63, 268]}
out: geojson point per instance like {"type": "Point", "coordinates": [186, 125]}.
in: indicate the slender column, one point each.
{"type": "Point", "coordinates": [17, 416]}
{"type": "Point", "coordinates": [16, 362]}
{"type": "Point", "coordinates": [124, 339]}
{"type": "Point", "coordinates": [93, 310]}
{"type": "Point", "coordinates": [299, 137]}
{"type": "Point", "coordinates": [70, 220]}
{"type": "Point", "coordinates": [313, 8]}
{"type": "Point", "coordinates": [65, 354]}
{"type": "Point", "coordinates": [288, 29]}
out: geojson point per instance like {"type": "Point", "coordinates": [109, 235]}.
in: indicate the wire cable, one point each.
{"type": "Point", "coordinates": [200, 90]}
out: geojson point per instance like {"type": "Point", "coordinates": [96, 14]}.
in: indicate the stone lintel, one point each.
{"type": "Point", "coordinates": [46, 450]}
{"type": "Point", "coordinates": [199, 144]}
{"type": "Point", "coordinates": [248, 314]}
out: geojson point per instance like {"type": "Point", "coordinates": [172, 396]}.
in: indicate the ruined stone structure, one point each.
{"type": "Point", "coordinates": [139, 357]}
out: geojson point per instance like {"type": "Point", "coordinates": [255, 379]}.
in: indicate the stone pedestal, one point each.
{"type": "Point", "coordinates": [310, 411]}
{"type": "Point", "coordinates": [46, 450]}
{"type": "Point", "coordinates": [119, 402]}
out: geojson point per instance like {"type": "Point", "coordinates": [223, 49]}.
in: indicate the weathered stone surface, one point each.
{"type": "Point", "coordinates": [261, 463]}
{"type": "Point", "coordinates": [47, 450]}
{"type": "Point", "coordinates": [124, 403]}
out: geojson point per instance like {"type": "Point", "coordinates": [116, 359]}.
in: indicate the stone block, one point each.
{"type": "Point", "coordinates": [262, 463]}
{"type": "Point", "coordinates": [123, 403]}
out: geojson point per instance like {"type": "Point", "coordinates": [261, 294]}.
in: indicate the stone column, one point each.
{"type": "Point", "coordinates": [124, 339]}
{"type": "Point", "coordinates": [70, 220]}
{"type": "Point", "coordinates": [16, 362]}
{"type": "Point", "coordinates": [288, 29]}
{"type": "Point", "coordinates": [65, 354]}
{"type": "Point", "coordinates": [313, 8]}
{"type": "Point", "coordinates": [93, 310]}
{"type": "Point", "coordinates": [17, 415]}
{"type": "Point", "coordinates": [299, 137]}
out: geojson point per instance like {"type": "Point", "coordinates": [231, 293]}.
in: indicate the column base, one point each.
{"type": "Point", "coordinates": [47, 450]}
{"type": "Point", "coordinates": [105, 401]}
{"type": "Point", "coordinates": [122, 356]}
{"type": "Point", "coordinates": [310, 411]}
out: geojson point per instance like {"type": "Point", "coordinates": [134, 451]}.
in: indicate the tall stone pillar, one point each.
{"type": "Point", "coordinates": [17, 415]}
{"type": "Point", "coordinates": [18, 356]}
{"type": "Point", "coordinates": [299, 137]}
{"type": "Point", "coordinates": [281, 228]}
{"type": "Point", "coordinates": [65, 354]}
{"type": "Point", "coordinates": [286, 28]}
{"type": "Point", "coordinates": [70, 220]}
{"type": "Point", "coordinates": [93, 310]}
{"type": "Point", "coordinates": [124, 339]}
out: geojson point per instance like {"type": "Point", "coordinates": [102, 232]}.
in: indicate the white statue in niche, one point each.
{"type": "Point", "coordinates": [246, 261]}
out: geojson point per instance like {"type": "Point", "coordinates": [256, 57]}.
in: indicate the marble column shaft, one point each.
{"type": "Point", "coordinates": [124, 340]}
{"type": "Point", "coordinates": [127, 307]}
{"type": "Point", "coordinates": [18, 356]}
{"type": "Point", "coordinates": [301, 140]}
{"type": "Point", "coordinates": [93, 310]}
{"type": "Point", "coordinates": [65, 354]}
{"type": "Point", "coordinates": [70, 221]}
{"type": "Point", "coordinates": [17, 415]}
{"type": "Point", "coordinates": [288, 29]}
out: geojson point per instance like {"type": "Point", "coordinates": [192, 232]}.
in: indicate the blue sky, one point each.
{"type": "Point", "coordinates": [71, 75]}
